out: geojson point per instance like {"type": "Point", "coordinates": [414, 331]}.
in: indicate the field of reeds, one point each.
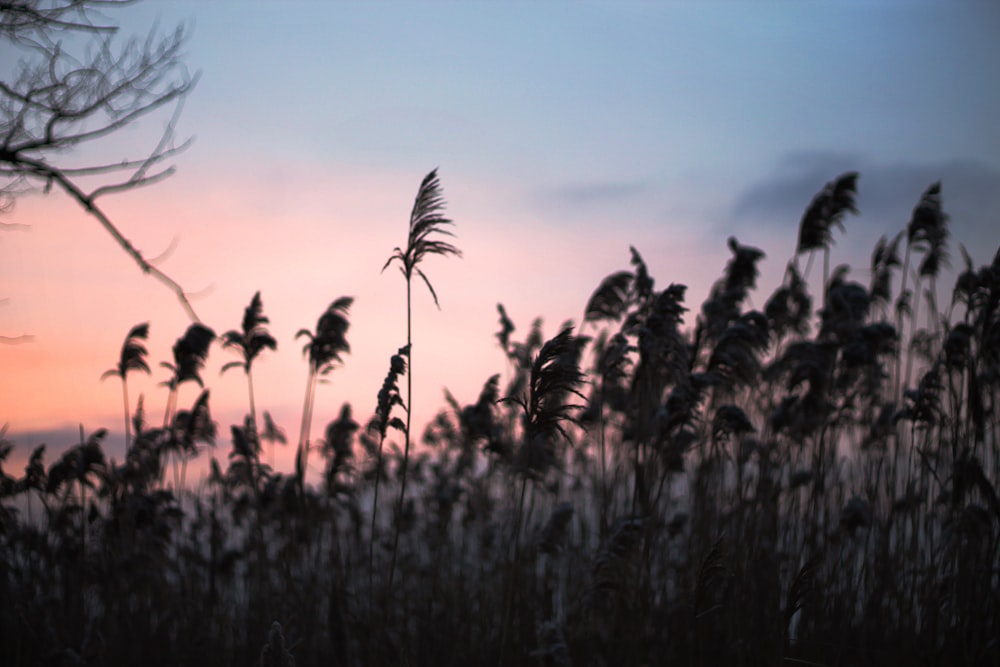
{"type": "Point", "coordinates": [812, 483]}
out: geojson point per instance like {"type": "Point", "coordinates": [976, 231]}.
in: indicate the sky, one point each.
{"type": "Point", "coordinates": [563, 133]}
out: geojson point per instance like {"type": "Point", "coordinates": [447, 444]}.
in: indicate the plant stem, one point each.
{"type": "Point", "coordinates": [253, 419]}
{"type": "Point", "coordinates": [826, 273]}
{"type": "Point", "coordinates": [128, 432]}
{"type": "Point", "coordinates": [898, 389]}
{"type": "Point", "coordinates": [406, 448]}
{"type": "Point", "coordinates": [913, 330]}
{"type": "Point", "coordinates": [302, 452]}
{"type": "Point", "coordinates": [371, 539]}
{"type": "Point", "coordinates": [604, 468]}
{"type": "Point", "coordinates": [512, 589]}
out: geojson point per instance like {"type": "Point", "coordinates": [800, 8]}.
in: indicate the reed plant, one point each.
{"type": "Point", "coordinates": [427, 225]}
{"type": "Point", "coordinates": [131, 358]}
{"type": "Point", "coordinates": [249, 341]}
{"type": "Point", "coordinates": [681, 485]}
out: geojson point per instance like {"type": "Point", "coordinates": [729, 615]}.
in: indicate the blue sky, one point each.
{"type": "Point", "coordinates": [592, 93]}
{"type": "Point", "coordinates": [564, 132]}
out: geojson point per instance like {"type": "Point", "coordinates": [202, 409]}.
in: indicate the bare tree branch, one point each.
{"type": "Point", "coordinates": [58, 99]}
{"type": "Point", "coordinates": [19, 18]}
{"type": "Point", "coordinates": [87, 201]}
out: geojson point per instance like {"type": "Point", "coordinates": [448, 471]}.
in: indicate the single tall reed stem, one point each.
{"type": "Point", "coordinates": [426, 221]}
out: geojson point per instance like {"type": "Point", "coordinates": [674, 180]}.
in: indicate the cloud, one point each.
{"type": "Point", "coordinates": [887, 193]}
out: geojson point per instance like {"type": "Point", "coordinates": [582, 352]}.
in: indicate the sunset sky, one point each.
{"type": "Point", "coordinates": [563, 133]}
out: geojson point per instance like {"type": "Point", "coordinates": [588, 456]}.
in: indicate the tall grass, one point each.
{"type": "Point", "coordinates": [249, 341]}
{"type": "Point", "coordinates": [131, 358]}
{"type": "Point", "coordinates": [427, 226]}
{"type": "Point", "coordinates": [323, 349]}
{"type": "Point", "coordinates": [746, 487]}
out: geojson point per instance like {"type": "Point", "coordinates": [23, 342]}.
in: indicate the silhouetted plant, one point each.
{"type": "Point", "coordinates": [7, 483]}
{"type": "Point", "coordinates": [427, 224]}
{"type": "Point", "coordinates": [847, 306]}
{"type": "Point", "coordinates": [244, 469]}
{"type": "Point", "coordinates": [388, 399]}
{"type": "Point", "coordinates": [506, 329]}
{"type": "Point", "coordinates": [338, 447]}
{"type": "Point", "coordinates": [885, 258]}
{"type": "Point", "coordinates": [736, 358]}
{"type": "Point", "coordinates": [726, 299]}
{"type": "Point", "coordinates": [190, 352]}
{"type": "Point", "coordinates": [275, 653]}
{"type": "Point", "coordinates": [143, 466]}
{"type": "Point", "coordinates": [131, 358]}
{"type": "Point", "coordinates": [609, 390]}
{"type": "Point", "coordinates": [520, 356]}
{"type": "Point", "coordinates": [664, 355]}
{"type": "Point", "coordinates": [189, 429]}
{"type": "Point", "coordinates": [249, 341]}
{"type": "Point", "coordinates": [477, 424]}
{"type": "Point", "coordinates": [273, 434]}
{"type": "Point", "coordinates": [790, 307]}
{"type": "Point", "coordinates": [927, 233]}
{"type": "Point", "coordinates": [613, 566]}
{"type": "Point", "coordinates": [611, 298]}
{"type": "Point", "coordinates": [323, 349]}
{"type": "Point", "coordinates": [826, 211]}
{"type": "Point", "coordinates": [643, 284]}
{"type": "Point", "coordinates": [555, 377]}
{"type": "Point", "coordinates": [83, 465]}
